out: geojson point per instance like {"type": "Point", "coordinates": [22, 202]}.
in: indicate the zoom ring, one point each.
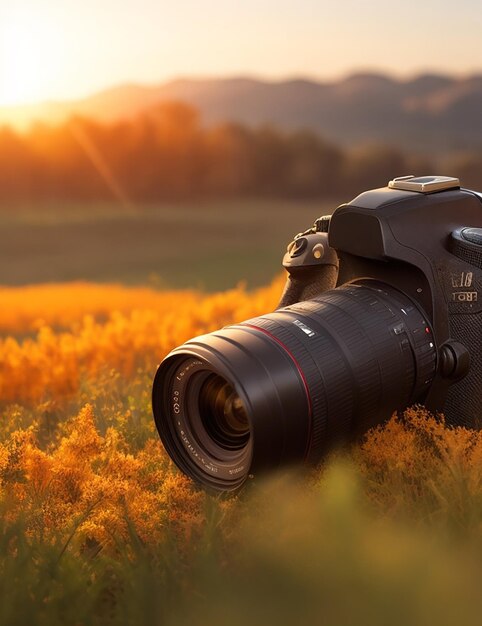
{"type": "Point", "coordinates": [365, 350]}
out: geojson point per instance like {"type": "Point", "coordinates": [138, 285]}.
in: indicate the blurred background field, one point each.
{"type": "Point", "coordinates": [202, 183]}
{"type": "Point", "coordinates": [206, 245]}
{"type": "Point", "coordinates": [165, 198]}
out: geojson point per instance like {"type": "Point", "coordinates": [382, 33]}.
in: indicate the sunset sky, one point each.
{"type": "Point", "coordinates": [61, 49]}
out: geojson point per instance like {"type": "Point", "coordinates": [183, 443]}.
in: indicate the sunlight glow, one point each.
{"type": "Point", "coordinates": [66, 49]}
{"type": "Point", "coordinates": [30, 56]}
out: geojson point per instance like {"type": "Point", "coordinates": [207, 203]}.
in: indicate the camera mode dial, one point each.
{"type": "Point", "coordinates": [466, 243]}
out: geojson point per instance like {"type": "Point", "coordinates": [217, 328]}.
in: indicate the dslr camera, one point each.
{"type": "Point", "coordinates": [382, 310]}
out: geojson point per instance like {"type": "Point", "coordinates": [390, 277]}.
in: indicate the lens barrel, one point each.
{"type": "Point", "coordinates": [284, 387]}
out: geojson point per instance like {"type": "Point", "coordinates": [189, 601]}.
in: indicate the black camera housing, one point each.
{"type": "Point", "coordinates": [422, 236]}
{"type": "Point", "coordinates": [381, 311]}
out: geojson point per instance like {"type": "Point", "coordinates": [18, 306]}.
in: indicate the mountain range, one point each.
{"type": "Point", "coordinates": [426, 113]}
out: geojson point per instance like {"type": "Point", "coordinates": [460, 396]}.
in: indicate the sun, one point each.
{"type": "Point", "coordinates": [30, 57]}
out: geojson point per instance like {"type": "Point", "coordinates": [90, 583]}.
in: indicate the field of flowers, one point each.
{"type": "Point", "coordinates": [97, 526]}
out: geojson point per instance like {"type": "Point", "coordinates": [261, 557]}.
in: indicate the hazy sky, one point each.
{"type": "Point", "coordinates": [66, 49]}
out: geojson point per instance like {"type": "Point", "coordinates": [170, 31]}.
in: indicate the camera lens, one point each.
{"type": "Point", "coordinates": [285, 387]}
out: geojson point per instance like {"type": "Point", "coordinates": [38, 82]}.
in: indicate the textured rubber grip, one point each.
{"type": "Point", "coordinates": [308, 284]}
{"type": "Point", "coordinates": [464, 400]}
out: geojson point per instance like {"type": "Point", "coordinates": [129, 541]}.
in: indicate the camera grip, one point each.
{"type": "Point", "coordinates": [307, 283]}
{"type": "Point", "coordinates": [463, 406]}
{"type": "Point", "coordinates": [312, 266]}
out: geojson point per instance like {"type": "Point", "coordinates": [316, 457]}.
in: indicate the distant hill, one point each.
{"type": "Point", "coordinates": [427, 113]}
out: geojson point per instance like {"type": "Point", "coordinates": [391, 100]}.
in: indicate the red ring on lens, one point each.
{"type": "Point", "coordinates": [300, 372]}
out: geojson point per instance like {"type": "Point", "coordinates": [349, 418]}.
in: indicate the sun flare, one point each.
{"type": "Point", "coordinates": [30, 57]}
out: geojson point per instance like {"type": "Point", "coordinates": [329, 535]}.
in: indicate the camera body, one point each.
{"type": "Point", "coordinates": [382, 310]}
{"type": "Point", "coordinates": [422, 236]}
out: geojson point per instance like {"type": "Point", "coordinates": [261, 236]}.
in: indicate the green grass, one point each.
{"type": "Point", "coordinates": [286, 554]}
{"type": "Point", "coordinates": [388, 534]}
{"type": "Point", "coordinates": [209, 245]}
{"type": "Point", "coordinates": [354, 543]}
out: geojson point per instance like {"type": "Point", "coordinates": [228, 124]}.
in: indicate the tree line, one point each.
{"type": "Point", "coordinates": [167, 154]}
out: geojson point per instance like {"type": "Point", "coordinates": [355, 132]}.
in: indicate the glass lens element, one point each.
{"type": "Point", "coordinates": [222, 412]}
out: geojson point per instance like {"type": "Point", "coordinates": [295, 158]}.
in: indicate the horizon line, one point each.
{"type": "Point", "coordinates": [392, 76]}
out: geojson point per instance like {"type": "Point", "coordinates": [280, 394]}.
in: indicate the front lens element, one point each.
{"type": "Point", "coordinates": [222, 413]}
{"type": "Point", "coordinates": [207, 429]}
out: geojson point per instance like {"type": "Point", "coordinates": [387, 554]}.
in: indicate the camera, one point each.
{"type": "Point", "coordinates": [382, 310]}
